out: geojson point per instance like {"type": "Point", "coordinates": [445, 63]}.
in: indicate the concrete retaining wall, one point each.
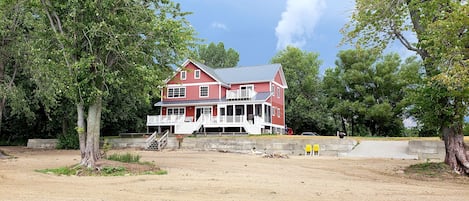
{"type": "Point", "coordinates": [427, 149]}
{"type": "Point", "coordinates": [42, 143]}
{"type": "Point", "coordinates": [331, 147]}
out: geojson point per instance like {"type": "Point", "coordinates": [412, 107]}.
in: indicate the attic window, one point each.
{"type": "Point", "coordinates": [197, 74]}
{"type": "Point", "coordinates": [183, 75]}
{"type": "Point", "coordinates": [278, 92]}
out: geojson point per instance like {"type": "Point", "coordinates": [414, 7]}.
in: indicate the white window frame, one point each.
{"type": "Point", "coordinates": [197, 72]}
{"type": "Point", "coordinates": [200, 92]}
{"type": "Point", "coordinates": [272, 88]}
{"type": "Point", "coordinates": [273, 111]}
{"type": "Point", "coordinates": [178, 92]}
{"type": "Point", "coordinates": [278, 92]}
{"type": "Point", "coordinates": [183, 75]}
{"type": "Point", "coordinates": [278, 112]}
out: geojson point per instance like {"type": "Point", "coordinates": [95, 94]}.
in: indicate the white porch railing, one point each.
{"type": "Point", "coordinates": [240, 94]}
{"type": "Point", "coordinates": [155, 120]}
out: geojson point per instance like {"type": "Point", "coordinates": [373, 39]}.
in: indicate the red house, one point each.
{"type": "Point", "coordinates": [224, 100]}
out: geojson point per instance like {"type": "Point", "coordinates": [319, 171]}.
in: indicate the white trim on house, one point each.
{"type": "Point", "coordinates": [192, 84]}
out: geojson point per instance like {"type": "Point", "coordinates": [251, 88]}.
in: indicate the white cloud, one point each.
{"type": "Point", "coordinates": [298, 22]}
{"type": "Point", "coordinates": [218, 25]}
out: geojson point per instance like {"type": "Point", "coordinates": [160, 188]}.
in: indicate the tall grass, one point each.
{"type": "Point", "coordinates": [126, 158]}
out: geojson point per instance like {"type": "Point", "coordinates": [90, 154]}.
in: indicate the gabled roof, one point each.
{"type": "Point", "coordinates": [264, 73]}
{"type": "Point", "coordinates": [239, 75]}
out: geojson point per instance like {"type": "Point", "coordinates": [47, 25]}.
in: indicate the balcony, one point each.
{"type": "Point", "coordinates": [159, 120]}
{"type": "Point", "coordinates": [240, 94]}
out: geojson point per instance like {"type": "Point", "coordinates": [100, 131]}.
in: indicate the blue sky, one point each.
{"type": "Point", "coordinates": [258, 29]}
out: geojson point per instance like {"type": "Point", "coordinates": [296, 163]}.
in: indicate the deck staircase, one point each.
{"type": "Point", "coordinates": [154, 143]}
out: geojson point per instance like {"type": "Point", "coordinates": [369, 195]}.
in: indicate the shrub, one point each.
{"type": "Point", "coordinates": [68, 140]}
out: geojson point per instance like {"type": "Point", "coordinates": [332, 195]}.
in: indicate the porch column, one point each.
{"type": "Point", "coordinates": [263, 111]}
{"type": "Point", "coordinates": [218, 113]}
{"type": "Point", "coordinates": [245, 113]}
{"type": "Point", "coordinates": [234, 113]}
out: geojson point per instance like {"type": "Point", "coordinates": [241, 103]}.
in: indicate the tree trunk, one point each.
{"type": "Point", "coordinates": [81, 129]}
{"type": "Point", "coordinates": [2, 105]}
{"type": "Point", "coordinates": [92, 135]}
{"type": "Point", "coordinates": [456, 156]}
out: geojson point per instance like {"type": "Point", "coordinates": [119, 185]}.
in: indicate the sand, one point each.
{"type": "Point", "coordinates": [222, 176]}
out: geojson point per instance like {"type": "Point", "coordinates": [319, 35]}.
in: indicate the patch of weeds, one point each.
{"type": "Point", "coordinates": [428, 169]}
{"type": "Point", "coordinates": [113, 171]}
{"type": "Point", "coordinates": [125, 158]}
{"type": "Point", "coordinates": [60, 171]}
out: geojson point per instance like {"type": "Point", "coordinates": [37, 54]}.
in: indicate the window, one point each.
{"type": "Point", "coordinates": [179, 92]}
{"type": "Point", "coordinates": [278, 112]}
{"type": "Point", "coordinates": [183, 75]}
{"type": "Point", "coordinates": [273, 111]}
{"type": "Point", "coordinates": [246, 90]}
{"type": "Point", "coordinates": [272, 89]}
{"type": "Point", "coordinates": [203, 91]}
{"type": "Point", "coordinates": [197, 74]}
{"type": "Point", "coordinates": [176, 111]}
{"type": "Point", "coordinates": [278, 92]}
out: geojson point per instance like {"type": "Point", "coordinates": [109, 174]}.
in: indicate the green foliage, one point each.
{"type": "Point", "coordinates": [216, 56]}
{"type": "Point", "coordinates": [67, 171]}
{"type": "Point", "coordinates": [366, 91]}
{"type": "Point", "coordinates": [114, 171]}
{"type": "Point", "coordinates": [440, 27]}
{"type": "Point", "coordinates": [466, 129]}
{"type": "Point", "coordinates": [68, 140]}
{"type": "Point", "coordinates": [305, 105]}
{"type": "Point", "coordinates": [126, 158]}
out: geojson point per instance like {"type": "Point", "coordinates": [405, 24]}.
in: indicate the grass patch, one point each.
{"type": "Point", "coordinates": [115, 165]}
{"type": "Point", "coordinates": [428, 169]}
{"type": "Point", "coordinates": [60, 171]}
{"type": "Point", "coordinates": [125, 158]}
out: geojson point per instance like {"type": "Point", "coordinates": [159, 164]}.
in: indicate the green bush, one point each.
{"type": "Point", "coordinates": [126, 158]}
{"type": "Point", "coordinates": [68, 141]}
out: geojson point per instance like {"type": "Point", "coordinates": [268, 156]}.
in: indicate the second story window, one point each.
{"type": "Point", "coordinates": [203, 91]}
{"type": "Point", "coordinates": [272, 89]}
{"type": "Point", "coordinates": [278, 112]}
{"type": "Point", "coordinates": [197, 74]}
{"type": "Point", "coordinates": [278, 92]}
{"type": "Point", "coordinates": [183, 75]}
{"type": "Point", "coordinates": [177, 92]}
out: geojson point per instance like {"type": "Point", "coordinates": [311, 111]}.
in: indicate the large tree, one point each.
{"type": "Point", "coordinates": [15, 28]}
{"type": "Point", "coordinates": [305, 109]}
{"type": "Point", "coordinates": [87, 47]}
{"type": "Point", "coordinates": [441, 29]}
{"type": "Point", "coordinates": [367, 91]}
{"type": "Point", "coordinates": [216, 56]}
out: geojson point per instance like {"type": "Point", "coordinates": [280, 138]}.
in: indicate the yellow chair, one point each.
{"type": "Point", "coordinates": [308, 150]}
{"type": "Point", "coordinates": [316, 149]}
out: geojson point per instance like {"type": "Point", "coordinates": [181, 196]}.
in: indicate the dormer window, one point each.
{"type": "Point", "coordinates": [183, 75]}
{"type": "Point", "coordinates": [197, 74]}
